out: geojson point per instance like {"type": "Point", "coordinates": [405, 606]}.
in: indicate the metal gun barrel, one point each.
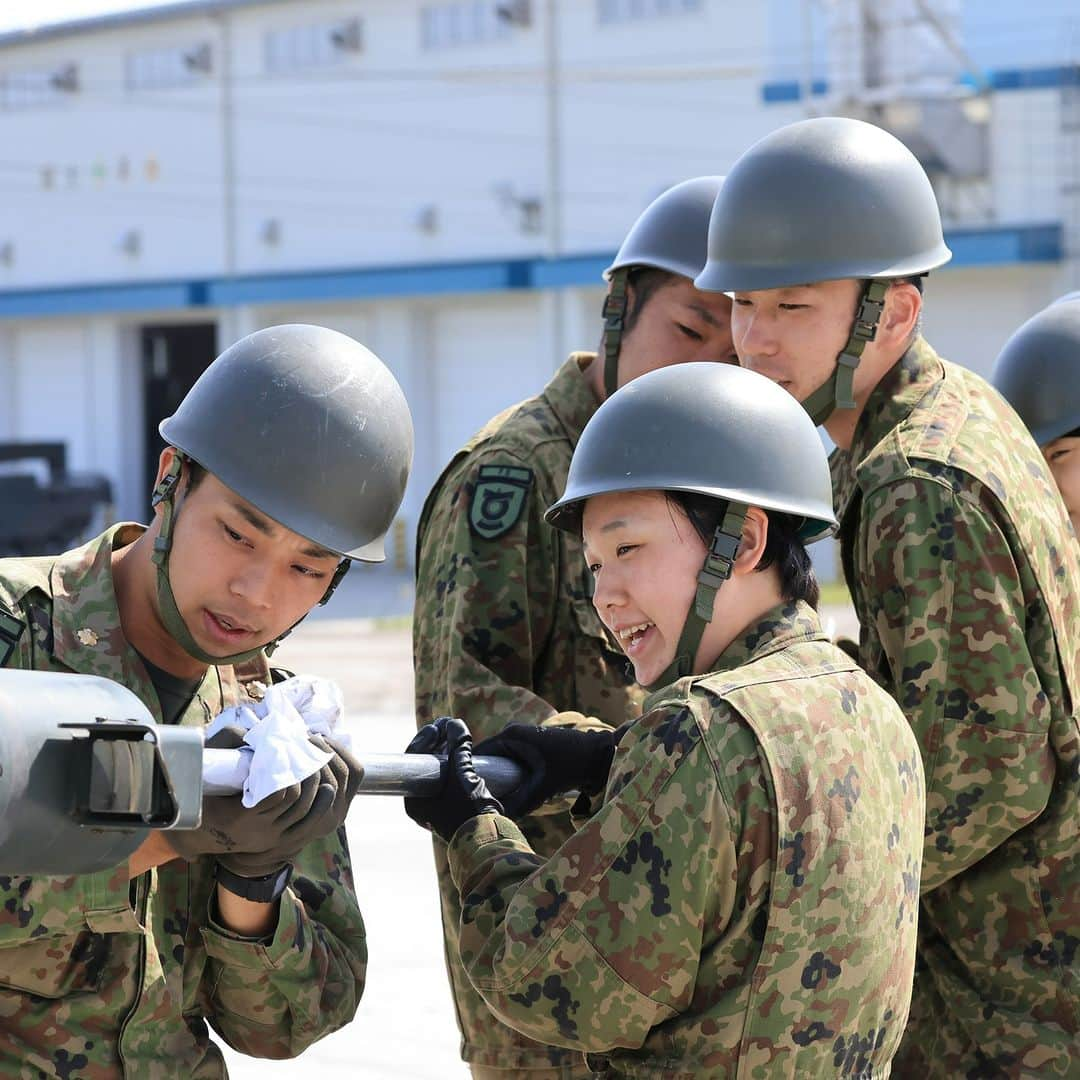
{"type": "Point", "coordinates": [411, 775]}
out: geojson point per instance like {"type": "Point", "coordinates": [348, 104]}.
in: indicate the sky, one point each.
{"type": "Point", "coordinates": [21, 14]}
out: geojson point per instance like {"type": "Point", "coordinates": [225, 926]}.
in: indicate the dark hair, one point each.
{"type": "Point", "coordinates": [783, 548]}
{"type": "Point", "coordinates": [195, 474]}
{"type": "Point", "coordinates": [646, 283]}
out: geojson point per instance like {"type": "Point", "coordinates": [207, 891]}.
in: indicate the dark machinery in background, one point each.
{"type": "Point", "coordinates": [44, 519]}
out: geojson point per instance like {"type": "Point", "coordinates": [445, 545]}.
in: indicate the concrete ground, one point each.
{"type": "Point", "coordinates": [405, 1024]}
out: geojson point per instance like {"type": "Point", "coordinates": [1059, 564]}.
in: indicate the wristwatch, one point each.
{"type": "Point", "coordinates": [263, 890]}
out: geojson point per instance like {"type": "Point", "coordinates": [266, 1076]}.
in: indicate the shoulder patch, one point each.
{"type": "Point", "coordinates": [498, 499]}
{"type": "Point", "coordinates": [11, 629]}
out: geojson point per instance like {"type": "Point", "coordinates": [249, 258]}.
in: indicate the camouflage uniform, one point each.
{"type": "Point", "coordinates": [504, 630]}
{"type": "Point", "coordinates": [101, 977]}
{"type": "Point", "coordinates": [743, 902]}
{"type": "Point", "coordinates": [966, 580]}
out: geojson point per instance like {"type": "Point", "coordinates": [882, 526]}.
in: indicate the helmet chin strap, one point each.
{"type": "Point", "coordinates": [614, 321]}
{"type": "Point", "coordinates": [717, 569]}
{"type": "Point", "coordinates": [836, 392]}
{"type": "Point", "coordinates": [165, 497]}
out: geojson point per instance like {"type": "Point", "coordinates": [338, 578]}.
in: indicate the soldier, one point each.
{"type": "Point", "coordinates": [1038, 372]}
{"type": "Point", "coordinates": [743, 901]}
{"type": "Point", "coordinates": [962, 568]}
{"type": "Point", "coordinates": [250, 924]}
{"type": "Point", "coordinates": [504, 629]}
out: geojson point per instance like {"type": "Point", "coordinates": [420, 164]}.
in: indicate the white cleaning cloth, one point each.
{"type": "Point", "coordinates": [278, 752]}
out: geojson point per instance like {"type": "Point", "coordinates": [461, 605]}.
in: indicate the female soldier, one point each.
{"type": "Point", "coordinates": [743, 900]}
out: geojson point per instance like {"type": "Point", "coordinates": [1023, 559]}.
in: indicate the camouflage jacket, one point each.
{"type": "Point", "coordinates": [101, 977]}
{"type": "Point", "coordinates": [966, 581]}
{"type": "Point", "coordinates": [743, 903]}
{"type": "Point", "coordinates": [504, 628]}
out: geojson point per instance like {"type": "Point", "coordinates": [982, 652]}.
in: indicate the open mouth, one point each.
{"type": "Point", "coordinates": [225, 627]}
{"type": "Point", "coordinates": [632, 637]}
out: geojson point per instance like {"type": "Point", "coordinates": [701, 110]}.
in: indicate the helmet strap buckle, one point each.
{"type": "Point", "coordinates": [871, 305]}
{"type": "Point", "coordinates": [719, 560]}
{"type": "Point", "coordinates": [167, 485]}
{"type": "Point", "coordinates": [717, 569]}
{"type": "Point", "coordinates": [339, 572]}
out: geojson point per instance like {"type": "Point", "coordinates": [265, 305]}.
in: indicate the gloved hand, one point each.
{"type": "Point", "coordinates": [553, 760]}
{"type": "Point", "coordinates": [261, 840]}
{"type": "Point", "coordinates": [465, 794]}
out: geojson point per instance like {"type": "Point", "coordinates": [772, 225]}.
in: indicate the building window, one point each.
{"type": "Point", "coordinates": [29, 89]}
{"type": "Point", "coordinates": [611, 11]}
{"type": "Point", "coordinates": [301, 48]}
{"type": "Point", "coordinates": [168, 69]}
{"type": "Point", "coordinates": [475, 22]}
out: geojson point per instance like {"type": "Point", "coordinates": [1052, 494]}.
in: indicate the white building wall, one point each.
{"type": "Point", "coordinates": [351, 159]}
{"type": "Point", "coordinates": [396, 154]}
{"type": "Point", "coordinates": [969, 314]}
{"type": "Point", "coordinates": [1026, 166]}
{"type": "Point", "coordinates": [104, 167]}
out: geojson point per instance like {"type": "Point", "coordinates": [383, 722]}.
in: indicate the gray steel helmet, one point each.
{"type": "Point", "coordinates": [820, 200]}
{"type": "Point", "coordinates": [1038, 371]}
{"type": "Point", "coordinates": [670, 233]}
{"type": "Point", "coordinates": [310, 427]}
{"type": "Point", "coordinates": [714, 429]}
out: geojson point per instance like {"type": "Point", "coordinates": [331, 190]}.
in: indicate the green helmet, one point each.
{"type": "Point", "coordinates": [716, 430]}
{"type": "Point", "coordinates": [309, 427]}
{"type": "Point", "coordinates": [670, 234]}
{"type": "Point", "coordinates": [821, 200]}
{"type": "Point", "coordinates": [1038, 371]}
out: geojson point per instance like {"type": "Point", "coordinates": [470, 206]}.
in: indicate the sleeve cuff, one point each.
{"type": "Point", "coordinates": [265, 953]}
{"type": "Point", "coordinates": [474, 835]}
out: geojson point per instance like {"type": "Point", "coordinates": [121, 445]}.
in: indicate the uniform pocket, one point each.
{"type": "Point", "coordinates": [53, 967]}
{"type": "Point", "coordinates": [986, 784]}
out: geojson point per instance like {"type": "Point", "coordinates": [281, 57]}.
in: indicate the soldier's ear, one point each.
{"type": "Point", "coordinates": [755, 532]}
{"type": "Point", "coordinates": [165, 461]}
{"type": "Point", "coordinates": [903, 302]}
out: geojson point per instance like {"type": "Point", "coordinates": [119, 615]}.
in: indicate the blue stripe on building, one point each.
{"type": "Point", "coordinates": [785, 91]}
{"type": "Point", "coordinates": [991, 246]}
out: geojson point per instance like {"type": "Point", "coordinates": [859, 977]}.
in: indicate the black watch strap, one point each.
{"type": "Point", "coordinates": [263, 890]}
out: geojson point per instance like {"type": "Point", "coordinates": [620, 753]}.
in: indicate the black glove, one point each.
{"type": "Point", "coordinates": [465, 795]}
{"type": "Point", "coordinates": [553, 760]}
{"type": "Point", "coordinates": [261, 840]}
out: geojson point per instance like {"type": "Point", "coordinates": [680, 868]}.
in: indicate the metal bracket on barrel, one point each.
{"type": "Point", "coordinates": [138, 774]}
